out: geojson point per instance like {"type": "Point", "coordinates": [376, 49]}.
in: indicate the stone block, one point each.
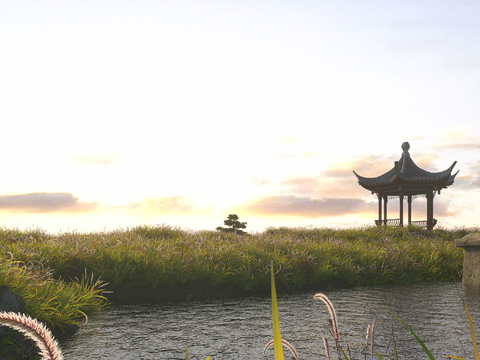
{"type": "Point", "coordinates": [471, 258]}
{"type": "Point", "coordinates": [9, 301]}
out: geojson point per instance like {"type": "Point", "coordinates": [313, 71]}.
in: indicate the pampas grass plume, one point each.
{"type": "Point", "coordinates": [35, 330]}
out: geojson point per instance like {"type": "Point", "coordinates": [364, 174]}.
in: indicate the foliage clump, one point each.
{"type": "Point", "coordinates": [234, 224]}
{"type": "Point", "coordinates": [166, 257]}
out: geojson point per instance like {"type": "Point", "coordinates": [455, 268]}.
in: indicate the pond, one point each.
{"type": "Point", "coordinates": [240, 328]}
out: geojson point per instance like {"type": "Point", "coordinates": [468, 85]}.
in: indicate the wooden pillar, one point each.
{"type": "Point", "coordinates": [385, 201]}
{"type": "Point", "coordinates": [401, 206]}
{"type": "Point", "coordinates": [379, 208]}
{"type": "Point", "coordinates": [409, 209]}
{"type": "Point", "coordinates": [429, 209]}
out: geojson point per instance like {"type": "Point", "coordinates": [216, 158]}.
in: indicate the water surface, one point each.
{"type": "Point", "coordinates": [240, 328]}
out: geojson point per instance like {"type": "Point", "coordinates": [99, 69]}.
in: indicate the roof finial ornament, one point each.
{"type": "Point", "coordinates": [405, 147]}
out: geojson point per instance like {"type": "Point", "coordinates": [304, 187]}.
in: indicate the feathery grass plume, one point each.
{"type": "Point", "coordinates": [368, 336]}
{"type": "Point", "coordinates": [284, 343]}
{"type": "Point", "coordinates": [327, 350]}
{"type": "Point", "coordinates": [49, 348]}
{"type": "Point", "coordinates": [333, 316]}
{"type": "Point", "coordinates": [373, 336]}
{"type": "Point", "coordinates": [277, 339]}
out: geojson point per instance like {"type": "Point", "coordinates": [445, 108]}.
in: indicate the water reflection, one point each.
{"type": "Point", "coordinates": [240, 328]}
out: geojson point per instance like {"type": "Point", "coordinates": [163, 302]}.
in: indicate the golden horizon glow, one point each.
{"type": "Point", "coordinates": [184, 112]}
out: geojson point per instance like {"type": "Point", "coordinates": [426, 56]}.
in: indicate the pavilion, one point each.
{"type": "Point", "coordinates": [406, 179]}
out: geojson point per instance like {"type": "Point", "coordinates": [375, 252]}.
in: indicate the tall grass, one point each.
{"type": "Point", "coordinates": [47, 345]}
{"type": "Point", "coordinates": [164, 256]}
{"type": "Point", "coordinates": [278, 341]}
{"type": "Point", "coordinates": [50, 350]}
{"type": "Point", "coordinates": [45, 268]}
{"type": "Point", "coordinates": [57, 303]}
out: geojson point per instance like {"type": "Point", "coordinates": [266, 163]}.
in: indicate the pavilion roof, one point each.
{"type": "Point", "coordinates": [408, 175]}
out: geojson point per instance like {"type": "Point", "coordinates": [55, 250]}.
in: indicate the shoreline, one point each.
{"type": "Point", "coordinates": [124, 294]}
{"type": "Point", "coordinates": [165, 264]}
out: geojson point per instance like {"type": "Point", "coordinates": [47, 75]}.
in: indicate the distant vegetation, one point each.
{"type": "Point", "coordinates": [165, 257]}
{"type": "Point", "coordinates": [234, 225]}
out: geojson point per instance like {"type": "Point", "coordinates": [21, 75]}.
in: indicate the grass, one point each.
{"type": "Point", "coordinates": [278, 341]}
{"type": "Point", "coordinates": [50, 350]}
{"type": "Point", "coordinates": [54, 273]}
{"type": "Point", "coordinates": [163, 256]}
{"type": "Point", "coordinates": [47, 345]}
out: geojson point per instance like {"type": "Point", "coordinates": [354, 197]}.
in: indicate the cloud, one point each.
{"type": "Point", "coordinates": [44, 202]}
{"type": "Point", "coordinates": [97, 159]}
{"type": "Point", "coordinates": [302, 185]}
{"type": "Point", "coordinates": [368, 166]}
{"type": "Point", "coordinates": [470, 145]}
{"type": "Point", "coordinates": [441, 207]}
{"type": "Point", "coordinates": [169, 204]}
{"type": "Point", "coordinates": [306, 154]}
{"type": "Point", "coordinates": [466, 181]}
{"type": "Point", "coordinates": [307, 207]}
{"type": "Point", "coordinates": [336, 185]}
{"type": "Point", "coordinates": [465, 64]}
{"type": "Point", "coordinates": [459, 138]}
{"type": "Point", "coordinates": [290, 139]}
{"type": "Point", "coordinates": [337, 180]}
{"type": "Point", "coordinates": [259, 180]}
{"type": "Point", "coordinates": [373, 166]}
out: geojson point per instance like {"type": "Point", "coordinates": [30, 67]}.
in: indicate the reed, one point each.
{"type": "Point", "coordinates": [44, 268]}
{"type": "Point", "coordinates": [38, 332]}
{"type": "Point", "coordinates": [372, 335]}
{"type": "Point", "coordinates": [165, 257]}
{"type": "Point", "coordinates": [58, 303]}
{"type": "Point", "coordinates": [333, 317]}
{"type": "Point", "coordinates": [371, 332]}
{"type": "Point", "coordinates": [284, 343]}
{"type": "Point", "coordinates": [50, 350]}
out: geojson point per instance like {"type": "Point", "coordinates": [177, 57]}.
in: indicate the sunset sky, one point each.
{"type": "Point", "coordinates": [122, 113]}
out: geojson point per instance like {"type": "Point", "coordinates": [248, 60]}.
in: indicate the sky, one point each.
{"type": "Point", "coordinates": [116, 114]}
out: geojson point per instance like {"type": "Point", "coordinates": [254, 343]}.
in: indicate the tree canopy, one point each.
{"type": "Point", "coordinates": [234, 225]}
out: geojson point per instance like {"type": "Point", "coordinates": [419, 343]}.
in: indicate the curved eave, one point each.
{"type": "Point", "coordinates": [451, 179]}
{"type": "Point", "coordinates": [369, 183]}
{"type": "Point", "coordinates": [410, 173]}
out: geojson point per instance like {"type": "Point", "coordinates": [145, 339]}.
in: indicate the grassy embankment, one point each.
{"type": "Point", "coordinates": [39, 266]}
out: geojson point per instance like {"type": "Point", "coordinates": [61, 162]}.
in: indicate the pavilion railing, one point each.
{"type": "Point", "coordinates": [396, 222]}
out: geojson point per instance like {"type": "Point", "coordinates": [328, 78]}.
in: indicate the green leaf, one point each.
{"type": "Point", "coordinates": [379, 356]}
{"type": "Point", "coordinates": [343, 352]}
{"type": "Point", "coordinates": [277, 339]}
{"type": "Point", "coordinates": [472, 331]}
{"type": "Point", "coordinates": [416, 337]}
{"type": "Point", "coordinates": [186, 352]}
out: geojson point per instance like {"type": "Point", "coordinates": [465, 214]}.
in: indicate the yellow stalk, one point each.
{"type": "Point", "coordinates": [472, 331]}
{"type": "Point", "coordinates": [277, 339]}
{"type": "Point", "coordinates": [343, 352]}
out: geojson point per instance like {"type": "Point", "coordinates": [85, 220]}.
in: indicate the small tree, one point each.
{"type": "Point", "coordinates": [235, 225]}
